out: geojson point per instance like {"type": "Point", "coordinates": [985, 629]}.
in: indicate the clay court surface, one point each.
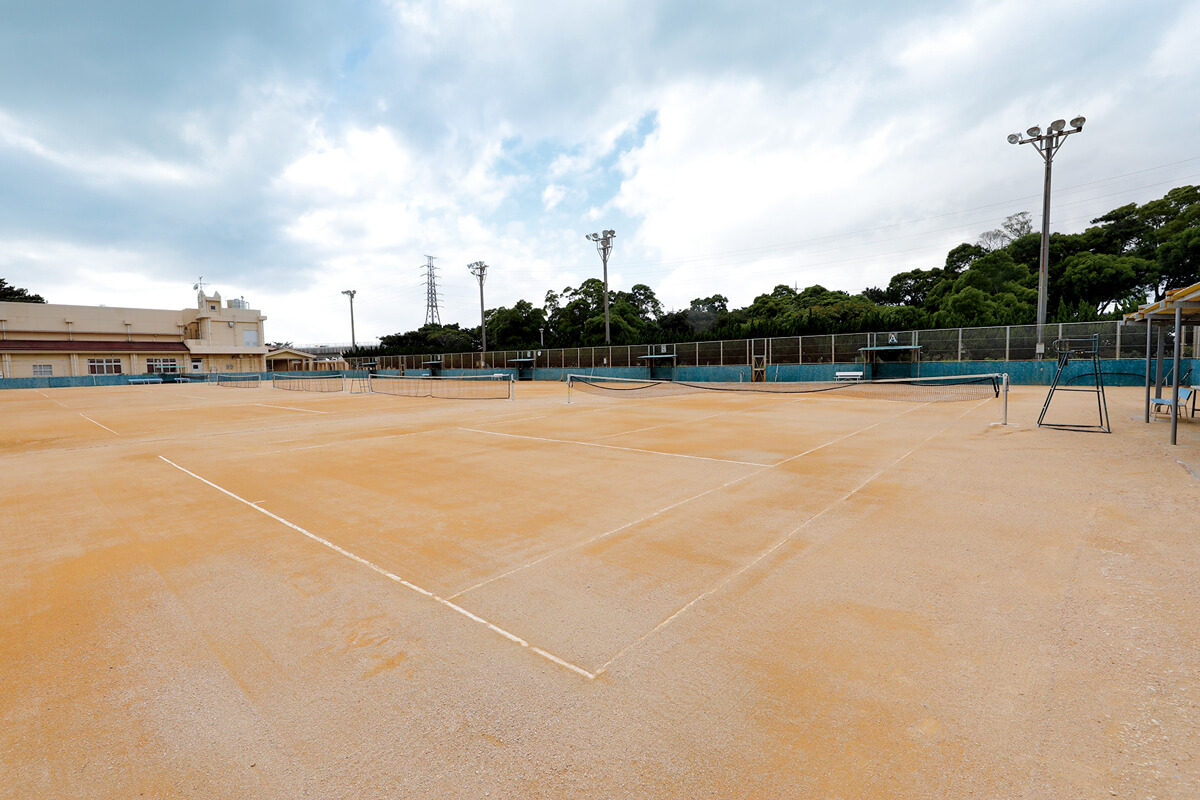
{"type": "Point", "coordinates": [257, 593]}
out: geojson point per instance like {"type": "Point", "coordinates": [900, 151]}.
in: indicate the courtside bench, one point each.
{"type": "Point", "coordinates": [1162, 405]}
{"type": "Point", "coordinates": [145, 380]}
{"type": "Point", "coordinates": [849, 375]}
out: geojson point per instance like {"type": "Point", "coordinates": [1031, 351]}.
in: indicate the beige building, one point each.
{"type": "Point", "coordinates": [41, 340]}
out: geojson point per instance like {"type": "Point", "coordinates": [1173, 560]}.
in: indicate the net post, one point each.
{"type": "Point", "coordinates": [570, 377]}
{"type": "Point", "coordinates": [1004, 400]}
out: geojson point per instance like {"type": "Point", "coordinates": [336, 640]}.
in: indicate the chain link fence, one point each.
{"type": "Point", "coordinates": [1002, 343]}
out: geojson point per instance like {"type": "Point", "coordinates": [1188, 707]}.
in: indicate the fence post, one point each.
{"type": "Point", "coordinates": [1117, 354]}
{"type": "Point", "coordinates": [960, 344]}
{"type": "Point", "coordinates": [833, 347]}
{"type": "Point", "coordinates": [1007, 338]}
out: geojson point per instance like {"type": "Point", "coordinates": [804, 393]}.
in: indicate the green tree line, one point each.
{"type": "Point", "coordinates": [1130, 254]}
{"type": "Point", "coordinates": [15, 294]}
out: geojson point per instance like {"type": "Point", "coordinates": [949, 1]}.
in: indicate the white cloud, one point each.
{"type": "Point", "coordinates": [107, 167]}
{"type": "Point", "coordinates": [1177, 55]}
{"type": "Point", "coordinates": [553, 195]}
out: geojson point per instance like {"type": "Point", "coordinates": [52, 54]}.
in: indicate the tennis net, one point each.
{"type": "Point", "coordinates": [922, 390]}
{"type": "Point", "coordinates": [239, 381]}
{"type": "Point", "coordinates": [457, 387]}
{"type": "Point", "coordinates": [333, 382]}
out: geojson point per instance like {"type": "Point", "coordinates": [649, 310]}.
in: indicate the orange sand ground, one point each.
{"type": "Point", "coordinates": [702, 596]}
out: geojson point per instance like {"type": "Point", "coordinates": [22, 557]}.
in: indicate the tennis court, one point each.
{"type": "Point", "coordinates": [251, 592]}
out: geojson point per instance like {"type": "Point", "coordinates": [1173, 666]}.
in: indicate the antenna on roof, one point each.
{"type": "Point", "coordinates": [200, 284]}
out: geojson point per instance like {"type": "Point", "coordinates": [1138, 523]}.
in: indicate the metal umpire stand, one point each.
{"type": "Point", "coordinates": [1067, 350]}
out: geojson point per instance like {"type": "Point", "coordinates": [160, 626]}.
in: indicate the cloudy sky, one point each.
{"type": "Point", "coordinates": [286, 151]}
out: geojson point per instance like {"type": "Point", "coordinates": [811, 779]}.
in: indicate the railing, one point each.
{"type": "Point", "coordinates": [1001, 343]}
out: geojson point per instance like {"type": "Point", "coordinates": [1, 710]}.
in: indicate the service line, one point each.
{"type": "Point", "coordinates": [288, 408]}
{"type": "Point", "coordinates": [721, 584]}
{"type": "Point", "coordinates": [615, 447]}
{"type": "Point", "coordinates": [512, 637]}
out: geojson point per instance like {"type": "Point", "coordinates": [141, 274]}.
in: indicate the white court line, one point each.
{"type": "Point", "coordinates": [665, 425]}
{"type": "Point", "coordinates": [402, 435]}
{"type": "Point", "coordinates": [392, 576]}
{"type": "Point", "coordinates": [287, 408]}
{"type": "Point", "coordinates": [298, 449]}
{"type": "Point", "coordinates": [89, 419]}
{"type": "Point", "coordinates": [615, 447]}
{"type": "Point", "coordinates": [48, 397]}
{"type": "Point", "coordinates": [331, 444]}
{"type": "Point", "coordinates": [664, 509]}
{"type": "Point", "coordinates": [780, 543]}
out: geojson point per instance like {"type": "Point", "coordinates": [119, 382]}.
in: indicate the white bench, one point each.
{"type": "Point", "coordinates": [145, 380]}
{"type": "Point", "coordinates": [849, 376]}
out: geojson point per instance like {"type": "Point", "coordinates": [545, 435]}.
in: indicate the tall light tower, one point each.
{"type": "Point", "coordinates": [479, 270]}
{"type": "Point", "coordinates": [1047, 145]}
{"type": "Point", "coordinates": [604, 247]}
{"type": "Point", "coordinates": [350, 293]}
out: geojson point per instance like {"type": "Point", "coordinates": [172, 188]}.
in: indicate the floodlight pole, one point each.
{"type": "Point", "coordinates": [604, 247]}
{"type": "Point", "coordinates": [479, 270]}
{"type": "Point", "coordinates": [350, 293]}
{"type": "Point", "coordinates": [1047, 145]}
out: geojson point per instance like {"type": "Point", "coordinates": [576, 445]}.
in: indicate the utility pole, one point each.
{"type": "Point", "coordinates": [604, 247]}
{"type": "Point", "coordinates": [350, 293]}
{"type": "Point", "coordinates": [1047, 145]}
{"type": "Point", "coordinates": [432, 317]}
{"type": "Point", "coordinates": [479, 270]}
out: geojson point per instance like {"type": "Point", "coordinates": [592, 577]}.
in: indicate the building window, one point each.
{"type": "Point", "coordinates": [167, 366]}
{"type": "Point", "coordinates": [197, 365]}
{"type": "Point", "coordinates": [43, 370]}
{"type": "Point", "coordinates": [250, 338]}
{"type": "Point", "coordinates": [104, 366]}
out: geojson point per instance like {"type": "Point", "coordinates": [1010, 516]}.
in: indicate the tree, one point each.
{"type": "Point", "coordinates": [1014, 227]}
{"type": "Point", "coordinates": [1100, 280]}
{"type": "Point", "coordinates": [516, 328]}
{"type": "Point", "coordinates": [13, 294]}
{"type": "Point", "coordinates": [705, 313]}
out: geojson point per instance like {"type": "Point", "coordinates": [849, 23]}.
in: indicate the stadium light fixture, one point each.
{"type": "Point", "coordinates": [604, 247]}
{"type": "Point", "coordinates": [350, 293]}
{"type": "Point", "coordinates": [1047, 145]}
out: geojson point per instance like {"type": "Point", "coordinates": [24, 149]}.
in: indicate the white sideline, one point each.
{"type": "Point", "coordinates": [392, 576]}
{"type": "Point", "coordinates": [89, 419]}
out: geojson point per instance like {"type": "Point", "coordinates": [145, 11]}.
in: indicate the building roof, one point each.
{"type": "Point", "coordinates": [85, 346]}
{"type": "Point", "coordinates": [291, 352]}
{"type": "Point", "coordinates": [1187, 299]}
